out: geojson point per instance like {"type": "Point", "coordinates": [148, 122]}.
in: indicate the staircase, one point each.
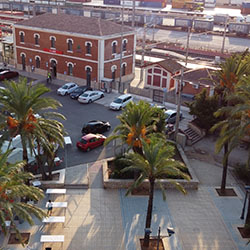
{"type": "Point", "coordinates": [192, 136]}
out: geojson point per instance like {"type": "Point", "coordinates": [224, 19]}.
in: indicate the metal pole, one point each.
{"type": "Point", "coordinates": [224, 36]}
{"type": "Point", "coordinates": [143, 53]}
{"type": "Point", "coordinates": [158, 238]}
{"type": "Point", "coordinates": [133, 14]}
{"type": "Point", "coordinates": [121, 47]}
{"type": "Point", "coordinates": [180, 83]}
{"type": "Point", "coordinates": [244, 206]}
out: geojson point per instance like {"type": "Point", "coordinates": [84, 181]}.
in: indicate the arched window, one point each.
{"type": "Point", "coordinates": [70, 44]}
{"type": "Point", "coordinates": [88, 47]}
{"type": "Point", "coordinates": [124, 44]}
{"type": "Point", "coordinates": [124, 69]}
{"type": "Point", "coordinates": [53, 42]}
{"type": "Point", "coordinates": [38, 62]}
{"type": "Point", "coordinates": [114, 45]}
{"type": "Point", "coordinates": [70, 69]}
{"type": "Point", "coordinates": [36, 36]}
{"type": "Point", "coordinates": [21, 36]}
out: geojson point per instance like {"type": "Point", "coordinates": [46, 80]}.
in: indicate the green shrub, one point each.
{"type": "Point", "coordinates": [243, 173]}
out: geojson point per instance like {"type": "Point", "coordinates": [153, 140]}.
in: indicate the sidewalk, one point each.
{"type": "Point", "coordinates": [97, 218]}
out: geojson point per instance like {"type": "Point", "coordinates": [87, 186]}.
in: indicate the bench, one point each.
{"type": "Point", "coordinates": [56, 191]}
{"type": "Point", "coordinates": [58, 204]}
{"type": "Point", "coordinates": [54, 219]}
{"type": "Point", "coordinates": [52, 238]}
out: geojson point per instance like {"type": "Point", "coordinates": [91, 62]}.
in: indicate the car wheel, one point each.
{"type": "Point", "coordinates": [102, 95]}
{"type": "Point", "coordinates": [88, 149]}
{"type": "Point", "coordinates": [108, 128]}
{"type": "Point", "coordinates": [90, 101]}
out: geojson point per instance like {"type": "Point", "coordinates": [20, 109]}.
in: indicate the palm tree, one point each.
{"type": "Point", "coordinates": [24, 101]}
{"type": "Point", "coordinates": [50, 136]}
{"type": "Point", "coordinates": [231, 73]}
{"type": "Point", "coordinates": [155, 163]}
{"type": "Point", "coordinates": [137, 121]}
{"type": "Point", "coordinates": [12, 190]}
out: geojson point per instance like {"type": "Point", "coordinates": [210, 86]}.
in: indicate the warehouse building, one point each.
{"type": "Point", "coordinates": [75, 48]}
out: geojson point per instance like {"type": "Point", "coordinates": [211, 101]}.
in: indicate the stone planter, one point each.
{"type": "Point", "coordinates": [166, 183]}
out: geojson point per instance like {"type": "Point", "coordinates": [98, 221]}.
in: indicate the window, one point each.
{"type": "Point", "coordinates": [88, 48]}
{"type": "Point", "coordinates": [123, 69]}
{"type": "Point", "coordinates": [124, 45]}
{"type": "Point", "coordinates": [21, 37]}
{"type": "Point", "coordinates": [53, 42]}
{"type": "Point", "coordinates": [114, 45]}
{"type": "Point", "coordinates": [70, 69]}
{"type": "Point", "coordinates": [70, 45]}
{"type": "Point", "coordinates": [36, 39]}
{"type": "Point", "coordinates": [37, 62]}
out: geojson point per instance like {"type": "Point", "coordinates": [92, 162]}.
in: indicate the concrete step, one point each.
{"type": "Point", "coordinates": [76, 186]}
{"type": "Point", "coordinates": [192, 136]}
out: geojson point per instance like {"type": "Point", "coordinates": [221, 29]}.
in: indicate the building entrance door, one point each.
{"type": "Point", "coordinates": [53, 68]}
{"type": "Point", "coordinates": [23, 62]}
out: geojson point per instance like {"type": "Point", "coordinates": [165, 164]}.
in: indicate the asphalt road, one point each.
{"type": "Point", "coordinates": [77, 114]}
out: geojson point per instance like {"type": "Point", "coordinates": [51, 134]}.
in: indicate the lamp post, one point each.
{"type": "Point", "coordinates": [247, 188]}
{"type": "Point", "coordinates": [224, 35]}
{"type": "Point", "coordinates": [121, 50]}
{"type": "Point", "coordinates": [67, 141]}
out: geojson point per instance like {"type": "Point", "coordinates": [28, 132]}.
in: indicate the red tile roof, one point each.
{"type": "Point", "coordinates": [75, 24]}
{"type": "Point", "coordinates": [168, 64]}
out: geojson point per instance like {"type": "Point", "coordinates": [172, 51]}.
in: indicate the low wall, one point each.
{"type": "Point", "coordinates": [166, 183]}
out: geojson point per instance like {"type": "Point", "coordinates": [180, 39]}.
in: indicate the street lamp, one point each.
{"type": "Point", "coordinates": [67, 141]}
{"type": "Point", "coordinates": [247, 188]}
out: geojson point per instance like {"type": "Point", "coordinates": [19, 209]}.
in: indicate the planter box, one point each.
{"type": "Point", "coordinates": [166, 183]}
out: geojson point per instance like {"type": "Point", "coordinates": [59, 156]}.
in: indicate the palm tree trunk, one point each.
{"type": "Point", "coordinates": [149, 212]}
{"type": "Point", "coordinates": [25, 152]}
{"type": "Point", "coordinates": [225, 166]}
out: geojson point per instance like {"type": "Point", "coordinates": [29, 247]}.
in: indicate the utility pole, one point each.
{"type": "Point", "coordinates": [121, 49]}
{"type": "Point", "coordinates": [133, 14]}
{"type": "Point", "coordinates": [224, 35]}
{"type": "Point", "coordinates": [143, 52]}
{"type": "Point", "coordinates": [180, 85]}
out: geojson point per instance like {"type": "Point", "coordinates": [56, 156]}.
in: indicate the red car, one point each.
{"type": "Point", "coordinates": [7, 74]}
{"type": "Point", "coordinates": [90, 141]}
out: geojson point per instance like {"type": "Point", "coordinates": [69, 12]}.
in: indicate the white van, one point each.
{"type": "Point", "coordinates": [121, 102]}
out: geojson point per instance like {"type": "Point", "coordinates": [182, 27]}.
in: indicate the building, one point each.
{"type": "Point", "coordinates": [195, 80]}
{"type": "Point", "coordinates": [75, 48]}
{"type": "Point", "coordinates": [159, 77]}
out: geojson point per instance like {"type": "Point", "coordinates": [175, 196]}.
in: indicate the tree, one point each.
{"type": "Point", "coordinates": [203, 108]}
{"type": "Point", "coordinates": [12, 190]}
{"type": "Point", "coordinates": [25, 101]}
{"type": "Point", "coordinates": [137, 121]}
{"type": "Point", "coordinates": [155, 161]}
{"type": "Point", "coordinates": [231, 73]}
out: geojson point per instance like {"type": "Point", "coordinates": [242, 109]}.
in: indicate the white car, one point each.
{"type": "Point", "coordinates": [121, 102]}
{"type": "Point", "coordinates": [171, 116]}
{"type": "Point", "coordinates": [90, 96]}
{"type": "Point", "coordinates": [67, 88]}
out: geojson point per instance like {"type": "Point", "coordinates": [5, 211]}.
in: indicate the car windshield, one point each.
{"type": "Point", "coordinates": [85, 95]}
{"type": "Point", "coordinates": [65, 87]}
{"type": "Point", "coordinates": [118, 100]}
{"type": "Point", "coordinates": [78, 90]}
{"type": "Point", "coordinates": [83, 141]}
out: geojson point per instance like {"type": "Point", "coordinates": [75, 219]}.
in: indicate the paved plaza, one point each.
{"type": "Point", "coordinates": [101, 219]}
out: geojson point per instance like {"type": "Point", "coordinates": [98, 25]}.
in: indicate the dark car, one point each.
{"type": "Point", "coordinates": [7, 74]}
{"type": "Point", "coordinates": [78, 91]}
{"type": "Point", "coordinates": [90, 141]}
{"type": "Point", "coordinates": [96, 127]}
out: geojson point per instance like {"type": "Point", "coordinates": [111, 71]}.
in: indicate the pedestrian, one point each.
{"type": "Point", "coordinates": [32, 68]}
{"type": "Point", "coordinates": [50, 207]}
{"type": "Point", "coordinates": [49, 77]}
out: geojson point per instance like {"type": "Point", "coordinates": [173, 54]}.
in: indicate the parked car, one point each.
{"type": "Point", "coordinates": [96, 127]}
{"type": "Point", "coordinates": [162, 107]}
{"type": "Point", "coordinates": [171, 116]}
{"type": "Point", "coordinates": [90, 141]}
{"type": "Point", "coordinates": [8, 74]}
{"type": "Point", "coordinates": [121, 102]}
{"type": "Point", "coordinates": [67, 88]}
{"type": "Point", "coordinates": [90, 96]}
{"type": "Point", "coordinates": [78, 91]}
